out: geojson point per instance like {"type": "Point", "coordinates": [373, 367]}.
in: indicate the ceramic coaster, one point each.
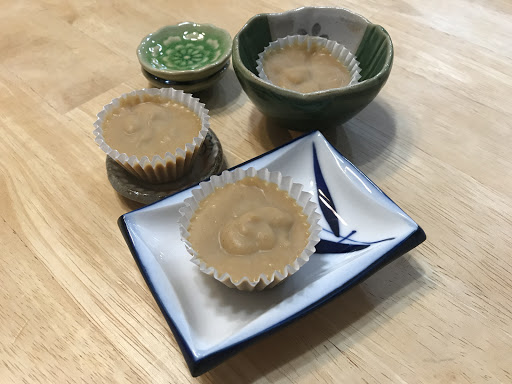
{"type": "Point", "coordinates": [186, 86]}
{"type": "Point", "coordinates": [209, 161]}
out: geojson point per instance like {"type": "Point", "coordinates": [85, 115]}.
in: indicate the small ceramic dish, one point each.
{"type": "Point", "coordinates": [369, 42]}
{"type": "Point", "coordinates": [186, 86]}
{"type": "Point", "coordinates": [185, 52]}
{"type": "Point", "coordinates": [362, 230]}
{"type": "Point", "coordinates": [209, 162]}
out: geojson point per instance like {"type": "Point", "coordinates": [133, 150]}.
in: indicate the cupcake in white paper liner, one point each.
{"type": "Point", "coordinates": [155, 167]}
{"type": "Point", "coordinates": [249, 229]}
{"type": "Point", "coordinates": [296, 73]}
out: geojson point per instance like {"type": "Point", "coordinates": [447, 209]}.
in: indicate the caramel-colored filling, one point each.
{"type": "Point", "coordinates": [299, 69]}
{"type": "Point", "coordinates": [248, 228]}
{"type": "Point", "coordinates": [151, 128]}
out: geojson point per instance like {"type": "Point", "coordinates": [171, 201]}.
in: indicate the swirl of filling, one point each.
{"type": "Point", "coordinates": [259, 229]}
{"type": "Point", "coordinates": [150, 128]}
{"type": "Point", "coordinates": [249, 228]}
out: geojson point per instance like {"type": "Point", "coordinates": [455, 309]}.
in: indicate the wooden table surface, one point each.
{"type": "Point", "coordinates": [73, 305]}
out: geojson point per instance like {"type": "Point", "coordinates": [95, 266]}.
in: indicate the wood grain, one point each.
{"type": "Point", "coordinates": [73, 305]}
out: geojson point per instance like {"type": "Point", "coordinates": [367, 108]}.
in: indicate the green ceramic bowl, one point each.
{"type": "Point", "coordinates": [370, 43]}
{"type": "Point", "coordinates": [185, 52]}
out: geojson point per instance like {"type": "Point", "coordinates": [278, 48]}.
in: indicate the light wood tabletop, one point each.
{"type": "Point", "coordinates": [74, 306]}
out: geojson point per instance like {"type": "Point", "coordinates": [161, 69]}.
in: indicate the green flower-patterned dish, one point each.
{"type": "Point", "coordinates": [185, 52]}
{"type": "Point", "coordinates": [369, 42]}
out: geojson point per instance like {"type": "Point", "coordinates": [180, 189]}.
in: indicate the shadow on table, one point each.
{"type": "Point", "coordinates": [361, 140]}
{"type": "Point", "coordinates": [127, 204]}
{"type": "Point", "coordinates": [222, 94]}
{"type": "Point", "coordinates": [348, 319]}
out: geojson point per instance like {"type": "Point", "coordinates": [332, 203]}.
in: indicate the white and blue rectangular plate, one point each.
{"type": "Point", "coordinates": [362, 231]}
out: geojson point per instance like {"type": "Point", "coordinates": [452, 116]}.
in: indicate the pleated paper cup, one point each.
{"type": "Point", "coordinates": [152, 167]}
{"type": "Point", "coordinates": [338, 51]}
{"type": "Point", "coordinates": [294, 190]}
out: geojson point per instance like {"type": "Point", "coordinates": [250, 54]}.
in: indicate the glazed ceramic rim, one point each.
{"type": "Point", "coordinates": [174, 83]}
{"type": "Point", "coordinates": [284, 183]}
{"type": "Point", "coordinates": [319, 94]}
{"type": "Point", "coordinates": [336, 50]}
{"type": "Point", "coordinates": [131, 161]}
{"type": "Point", "coordinates": [181, 75]}
{"type": "Point", "coordinates": [192, 86]}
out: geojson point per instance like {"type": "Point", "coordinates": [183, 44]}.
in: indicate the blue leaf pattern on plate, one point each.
{"type": "Point", "coordinates": [326, 246]}
{"type": "Point", "coordinates": [331, 215]}
{"type": "Point", "coordinates": [324, 197]}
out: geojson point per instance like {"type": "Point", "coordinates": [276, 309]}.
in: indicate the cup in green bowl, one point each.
{"type": "Point", "coordinates": [305, 111]}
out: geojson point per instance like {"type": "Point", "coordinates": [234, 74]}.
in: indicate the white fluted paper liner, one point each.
{"type": "Point", "coordinates": [338, 51]}
{"type": "Point", "coordinates": [153, 168]}
{"type": "Point", "coordinates": [294, 190]}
